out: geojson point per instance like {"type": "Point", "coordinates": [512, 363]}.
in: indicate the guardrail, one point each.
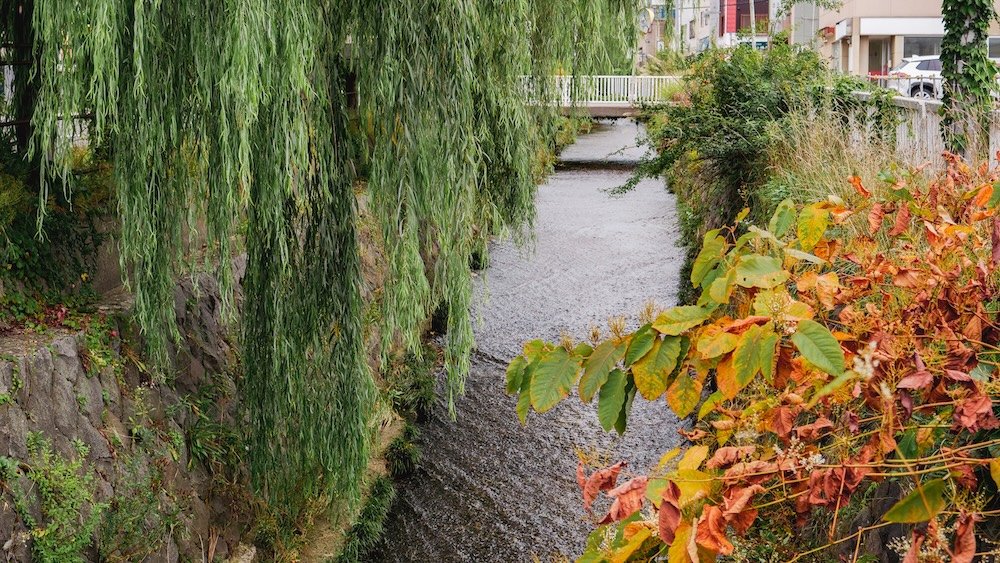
{"type": "Point", "coordinates": [599, 89]}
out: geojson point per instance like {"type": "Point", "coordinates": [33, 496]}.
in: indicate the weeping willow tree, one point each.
{"type": "Point", "coordinates": [228, 126]}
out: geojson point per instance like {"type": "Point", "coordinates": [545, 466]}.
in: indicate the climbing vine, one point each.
{"type": "Point", "coordinates": [969, 74]}
{"type": "Point", "coordinates": [227, 113]}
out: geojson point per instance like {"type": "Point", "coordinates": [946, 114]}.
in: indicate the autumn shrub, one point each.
{"type": "Point", "coordinates": [849, 344]}
{"type": "Point", "coordinates": [751, 126]}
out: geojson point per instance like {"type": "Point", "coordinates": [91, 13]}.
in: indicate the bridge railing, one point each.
{"type": "Point", "coordinates": [599, 89]}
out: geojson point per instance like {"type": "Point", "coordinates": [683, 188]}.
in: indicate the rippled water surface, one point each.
{"type": "Point", "coordinates": [487, 488]}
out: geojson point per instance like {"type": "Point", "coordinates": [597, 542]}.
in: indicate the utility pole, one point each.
{"type": "Point", "coordinates": [753, 25]}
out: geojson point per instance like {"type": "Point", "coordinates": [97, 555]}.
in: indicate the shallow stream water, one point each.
{"type": "Point", "coordinates": [488, 489]}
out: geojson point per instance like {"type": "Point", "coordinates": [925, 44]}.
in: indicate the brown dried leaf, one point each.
{"type": "Point", "coordinates": [628, 499]}
{"type": "Point", "coordinates": [729, 455]}
{"type": "Point", "coordinates": [669, 516]}
{"type": "Point", "coordinates": [964, 550]}
{"type": "Point", "coordinates": [875, 218]}
{"type": "Point", "coordinates": [602, 480]}
{"type": "Point", "coordinates": [902, 221]}
{"type": "Point", "coordinates": [712, 531]}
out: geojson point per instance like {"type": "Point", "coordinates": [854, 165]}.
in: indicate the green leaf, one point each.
{"type": "Point", "coordinates": [515, 374]}
{"type": "Point", "coordinates": [783, 218]}
{"type": "Point", "coordinates": [995, 197]}
{"type": "Point", "coordinates": [813, 221]}
{"type": "Point", "coordinates": [553, 379]}
{"type": "Point", "coordinates": [765, 272]}
{"type": "Point", "coordinates": [523, 407]}
{"type": "Point", "coordinates": [712, 251]}
{"type": "Point", "coordinates": [597, 367]}
{"type": "Point", "coordinates": [722, 288]}
{"type": "Point", "coordinates": [815, 342]}
{"type": "Point", "coordinates": [680, 319]}
{"type": "Point", "coordinates": [683, 395]}
{"type": "Point", "coordinates": [924, 503]}
{"type": "Point", "coordinates": [611, 400]}
{"type": "Point", "coordinates": [652, 372]}
{"type": "Point", "coordinates": [709, 404]}
{"type": "Point", "coordinates": [640, 344]}
{"type": "Point", "coordinates": [754, 354]}
{"type": "Point", "coordinates": [622, 421]}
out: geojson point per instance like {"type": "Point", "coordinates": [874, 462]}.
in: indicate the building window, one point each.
{"type": "Point", "coordinates": [994, 43]}
{"type": "Point", "coordinates": [691, 30]}
{"type": "Point", "coordinates": [921, 46]}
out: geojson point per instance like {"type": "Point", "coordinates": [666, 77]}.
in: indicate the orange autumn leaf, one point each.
{"type": "Point", "coordinates": [711, 532]}
{"type": "Point", "coordinates": [728, 455]}
{"type": "Point", "coordinates": [858, 186]}
{"type": "Point", "coordinates": [628, 499]}
{"type": "Point", "coordinates": [602, 480]}
{"type": "Point", "coordinates": [669, 516]}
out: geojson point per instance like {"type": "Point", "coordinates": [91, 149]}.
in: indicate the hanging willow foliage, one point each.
{"type": "Point", "coordinates": [225, 113]}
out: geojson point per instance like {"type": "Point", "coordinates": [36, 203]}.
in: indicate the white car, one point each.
{"type": "Point", "coordinates": [919, 77]}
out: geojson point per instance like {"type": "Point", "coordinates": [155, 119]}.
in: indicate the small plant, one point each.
{"type": "Point", "coordinates": [403, 453]}
{"type": "Point", "coordinates": [365, 534]}
{"type": "Point", "coordinates": [136, 523]}
{"type": "Point", "coordinates": [68, 510]}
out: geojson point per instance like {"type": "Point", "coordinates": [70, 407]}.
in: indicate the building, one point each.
{"type": "Point", "coordinates": [654, 24]}
{"type": "Point", "coordinates": [701, 24]}
{"type": "Point", "coordinates": [869, 37]}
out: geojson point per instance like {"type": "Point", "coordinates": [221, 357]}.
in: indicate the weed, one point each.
{"type": "Point", "coordinates": [137, 522]}
{"type": "Point", "coordinates": [69, 513]}
{"type": "Point", "coordinates": [366, 532]}
{"type": "Point", "coordinates": [403, 454]}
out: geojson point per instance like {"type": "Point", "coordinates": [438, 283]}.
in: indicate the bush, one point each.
{"type": "Point", "coordinates": [850, 340]}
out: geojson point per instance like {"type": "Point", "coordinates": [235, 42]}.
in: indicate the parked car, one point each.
{"type": "Point", "coordinates": [919, 77]}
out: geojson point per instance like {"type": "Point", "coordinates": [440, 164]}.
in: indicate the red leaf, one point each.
{"type": "Point", "coordinates": [995, 238]}
{"type": "Point", "coordinates": [965, 475]}
{"type": "Point", "coordinates": [670, 513]}
{"type": "Point", "coordinates": [956, 375]}
{"type": "Point", "coordinates": [712, 531]}
{"type": "Point", "coordinates": [875, 217]}
{"type": "Point", "coordinates": [975, 413]}
{"type": "Point", "coordinates": [902, 221]}
{"type": "Point", "coordinates": [729, 455]}
{"type": "Point", "coordinates": [811, 432]}
{"type": "Point", "coordinates": [921, 379]}
{"type": "Point", "coordinates": [965, 538]}
{"type": "Point", "coordinates": [736, 500]}
{"type": "Point", "coordinates": [581, 477]}
{"type": "Point", "coordinates": [602, 480]}
{"type": "Point", "coordinates": [628, 499]}
{"type": "Point", "coordinates": [913, 554]}
{"type": "Point", "coordinates": [783, 421]}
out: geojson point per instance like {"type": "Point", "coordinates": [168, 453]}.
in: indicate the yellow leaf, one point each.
{"type": "Point", "coordinates": [813, 221]}
{"type": "Point", "coordinates": [693, 485]}
{"type": "Point", "coordinates": [622, 554]}
{"type": "Point", "coordinates": [995, 470]}
{"type": "Point", "coordinates": [668, 457]}
{"type": "Point", "coordinates": [693, 457]}
{"type": "Point", "coordinates": [683, 395]}
{"type": "Point", "coordinates": [678, 552]}
{"type": "Point", "coordinates": [715, 342]}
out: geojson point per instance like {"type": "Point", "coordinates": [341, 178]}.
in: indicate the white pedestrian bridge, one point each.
{"type": "Point", "coordinates": [607, 96]}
